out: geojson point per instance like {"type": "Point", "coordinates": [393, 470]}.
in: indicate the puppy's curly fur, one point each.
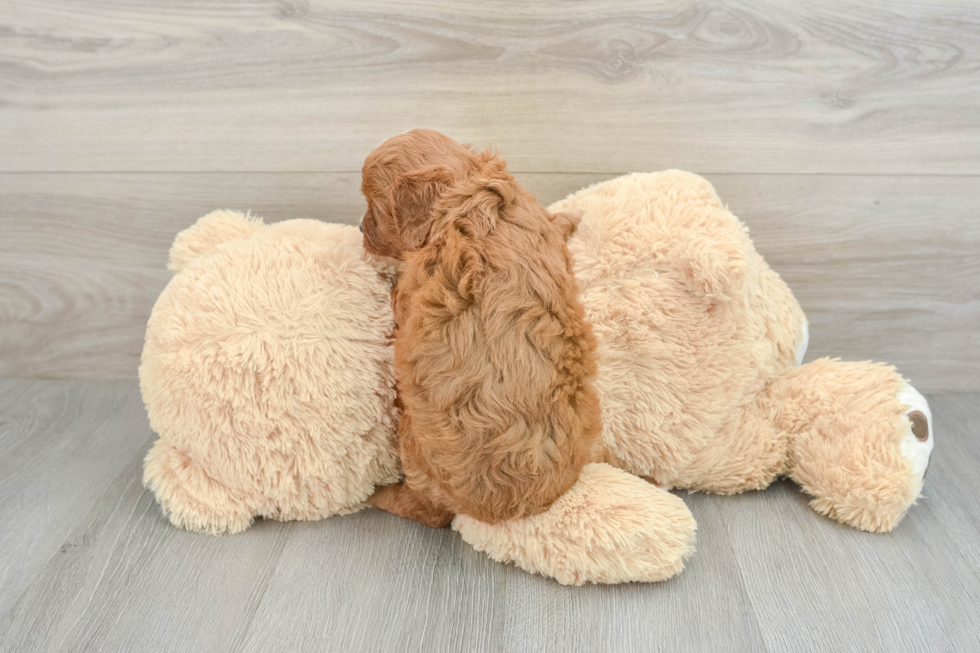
{"type": "Point", "coordinates": [493, 355]}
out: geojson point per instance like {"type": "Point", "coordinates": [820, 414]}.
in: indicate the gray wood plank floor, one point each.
{"type": "Point", "coordinates": [89, 563]}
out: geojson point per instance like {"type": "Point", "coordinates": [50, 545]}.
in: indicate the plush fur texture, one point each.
{"type": "Point", "coordinates": [610, 527]}
{"type": "Point", "coordinates": [493, 355]}
{"type": "Point", "coordinates": [845, 424]}
{"type": "Point", "coordinates": [267, 373]}
{"type": "Point", "coordinates": [691, 324]}
{"type": "Point", "coordinates": [698, 375]}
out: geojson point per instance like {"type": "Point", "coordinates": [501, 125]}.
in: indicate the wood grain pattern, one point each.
{"type": "Point", "coordinates": [125, 580]}
{"type": "Point", "coordinates": [58, 443]}
{"type": "Point", "coordinates": [956, 507]}
{"type": "Point", "coordinates": [885, 267]}
{"type": "Point", "coordinates": [295, 85]}
{"type": "Point", "coordinates": [105, 571]}
{"type": "Point", "coordinates": [848, 592]}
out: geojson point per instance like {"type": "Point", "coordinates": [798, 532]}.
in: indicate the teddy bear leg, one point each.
{"type": "Point", "coordinates": [189, 497]}
{"type": "Point", "coordinates": [610, 527]}
{"type": "Point", "coordinates": [860, 438]}
{"type": "Point", "coordinates": [748, 453]}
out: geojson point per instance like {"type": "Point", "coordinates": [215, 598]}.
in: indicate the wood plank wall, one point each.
{"type": "Point", "coordinates": [845, 134]}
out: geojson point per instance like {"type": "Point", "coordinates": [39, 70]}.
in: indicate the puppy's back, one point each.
{"type": "Point", "coordinates": [496, 357]}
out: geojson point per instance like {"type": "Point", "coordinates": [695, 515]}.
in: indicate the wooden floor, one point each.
{"type": "Point", "coordinates": [90, 564]}
{"type": "Point", "coordinates": [845, 133]}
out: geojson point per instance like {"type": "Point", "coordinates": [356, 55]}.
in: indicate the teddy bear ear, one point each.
{"type": "Point", "coordinates": [213, 229]}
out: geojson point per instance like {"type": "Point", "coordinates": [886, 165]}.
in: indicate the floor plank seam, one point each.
{"type": "Point", "coordinates": [255, 603]}
{"type": "Point", "coordinates": [741, 577]}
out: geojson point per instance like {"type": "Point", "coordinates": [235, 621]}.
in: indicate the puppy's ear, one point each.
{"type": "Point", "coordinates": [412, 199]}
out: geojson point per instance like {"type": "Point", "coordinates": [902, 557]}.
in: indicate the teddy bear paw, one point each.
{"type": "Point", "coordinates": [610, 527]}
{"type": "Point", "coordinates": [918, 438]}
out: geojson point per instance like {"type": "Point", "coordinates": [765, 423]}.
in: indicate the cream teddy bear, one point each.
{"type": "Point", "coordinates": [267, 373]}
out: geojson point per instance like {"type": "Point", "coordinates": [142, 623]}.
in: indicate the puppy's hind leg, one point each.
{"type": "Point", "coordinates": [403, 501]}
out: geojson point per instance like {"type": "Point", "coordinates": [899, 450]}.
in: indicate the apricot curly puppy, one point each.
{"type": "Point", "coordinates": [493, 356]}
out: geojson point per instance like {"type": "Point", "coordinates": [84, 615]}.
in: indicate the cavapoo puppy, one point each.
{"type": "Point", "coordinates": [493, 356]}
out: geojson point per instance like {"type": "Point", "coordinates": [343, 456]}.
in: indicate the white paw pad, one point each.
{"type": "Point", "coordinates": [802, 343]}
{"type": "Point", "coordinates": [919, 437]}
